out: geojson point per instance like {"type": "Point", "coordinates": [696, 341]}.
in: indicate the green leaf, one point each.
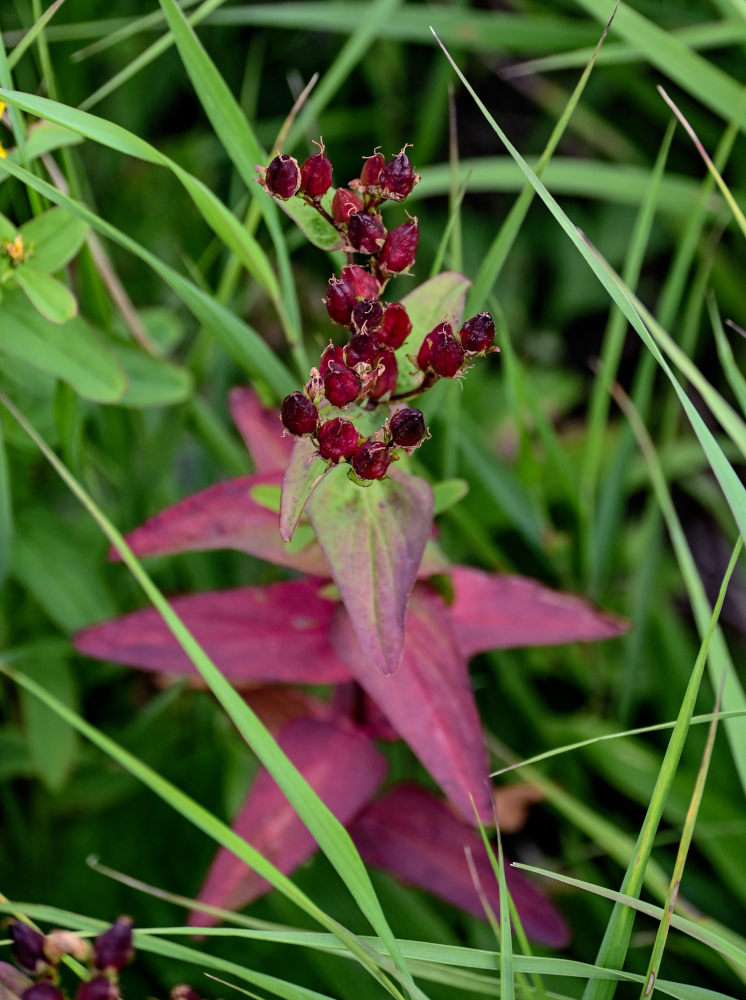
{"type": "Point", "coordinates": [53, 744]}
{"type": "Point", "coordinates": [150, 381]}
{"type": "Point", "coordinates": [374, 538]}
{"type": "Point", "coordinates": [46, 294]}
{"type": "Point", "coordinates": [45, 137]}
{"type": "Point", "coordinates": [439, 300]}
{"type": "Point", "coordinates": [304, 473]}
{"type": "Point", "coordinates": [54, 237]}
{"type": "Point", "coordinates": [448, 493]}
{"type": "Point", "coordinates": [6, 512]}
{"type": "Point", "coordinates": [69, 351]}
{"type": "Point", "coordinates": [314, 226]}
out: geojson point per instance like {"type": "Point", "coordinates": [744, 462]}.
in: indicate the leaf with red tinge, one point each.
{"type": "Point", "coordinates": [226, 516]}
{"type": "Point", "coordinates": [277, 705]}
{"type": "Point", "coordinates": [429, 701]}
{"type": "Point", "coordinates": [374, 538]}
{"type": "Point", "coordinates": [277, 633]}
{"type": "Point", "coordinates": [490, 611]}
{"type": "Point", "coordinates": [419, 839]}
{"type": "Point", "coordinates": [261, 430]}
{"type": "Point", "coordinates": [341, 765]}
{"type": "Point", "coordinates": [304, 473]}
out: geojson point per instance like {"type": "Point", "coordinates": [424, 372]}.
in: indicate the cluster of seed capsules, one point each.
{"type": "Point", "coordinates": [364, 372]}
{"type": "Point", "coordinates": [36, 973]}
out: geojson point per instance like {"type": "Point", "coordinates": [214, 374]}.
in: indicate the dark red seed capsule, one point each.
{"type": "Point", "coordinates": [27, 946]}
{"type": "Point", "coordinates": [337, 439]}
{"type": "Point", "coordinates": [113, 949]}
{"type": "Point", "coordinates": [283, 177]}
{"type": "Point", "coordinates": [400, 248]}
{"type": "Point", "coordinates": [478, 333]}
{"type": "Point", "coordinates": [407, 427]}
{"type": "Point", "coordinates": [385, 383]}
{"type": "Point", "coordinates": [367, 315]}
{"type": "Point", "coordinates": [397, 178]}
{"type": "Point", "coordinates": [331, 353]}
{"type": "Point", "coordinates": [365, 285]}
{"type": "Point", "coordinates": [396, 325]}
{"type": "Point", "coordinates": [299, 416]}
{"type": "Point", "coordinates": [371, 460]}
{"type": "Point", "coordinates": [362, 347]}
{"type": "Point", "coordinates": [344, 204]}
{"type": "Point", "coordinates": [365, 232]}
{"type": "Point", "coordinates": [341, 384]}
{"type": "Point", "coordinates": [316, 175]}
{"type": "Point", "coordinates": [372, 169]}
{"type": "Point", "coordinates": [99, 988]}
{"type": "Point", "coordinates": [340, 299]}
{"type": "Point", "coordinates": [42, 991]}
{"type": "Point", "coordinates": [441, 352]}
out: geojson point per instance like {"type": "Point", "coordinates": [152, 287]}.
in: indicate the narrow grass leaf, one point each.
{"type": "Point", "coordinates": [686, 834]}
{"type": "Point", "coordinates": [32, 34]}
{"type": "Point", "coordinates": [725, 353]}
{"type": "Point", "coordinates": [6, 512]}
{"type": "Point", "coordinates": [53, 744]}
{"type": "Point", "coordinates": [330, 835]}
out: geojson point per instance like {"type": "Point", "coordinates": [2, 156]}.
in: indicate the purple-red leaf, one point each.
{"type": "Point", "coordinates": [500, 612]}
{"type": "Point", "coordinates": [305, 471]}
{"type": "Point", "coordinates": [419, 839]}
{"type": "Point", "coordinates": [374, 538]}
{"type": "Point", "coordinates": [277, 633]}
{"type": "Point", "coordinates": [429, 702]}
{"type": "Point", "coordinates": [226, 516]}
{"type": "Point", "coordinates": [261, 430]}
{"type": "Point", "coordinates": [341, 765]}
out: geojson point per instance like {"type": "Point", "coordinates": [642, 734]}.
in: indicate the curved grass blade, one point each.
{"type": "Point", "coordinates": [6, 512]}
{"type": "Point", "coordinates": [219, 218]}
{"type": "Point", "coordinates": [240, 340]}
{"type": "Point", "coordinates": [329, 834]}
{"type": "Point", "coordinates": [31, 35]}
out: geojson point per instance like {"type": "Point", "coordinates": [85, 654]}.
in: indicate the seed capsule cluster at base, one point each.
{"type": "Point", "coordinates": [364, 372]}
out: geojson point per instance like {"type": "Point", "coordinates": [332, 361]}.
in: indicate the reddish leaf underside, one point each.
{"type": "Point", "coordinates": [373, 539]}
{"type": "Point", "coordinates": [277, 633]}
{"type": "Point", "coordinates": [226, 516]}
{"type": "Point", "coordinates": [342, 766]}
{"type": "Point", "coordinates": [261, 430]}
{"type": "Point", "coordinates": [418, 838]}
{"type": "Point", "coordinates": [305, 471]}
{"type": "Point", "coordinates": [501, 612]}
{"type": "Point", "coordinates": [429, 701]}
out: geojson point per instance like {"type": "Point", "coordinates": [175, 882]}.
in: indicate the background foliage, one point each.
{"type": "Point", "coordinates": [558, 487]}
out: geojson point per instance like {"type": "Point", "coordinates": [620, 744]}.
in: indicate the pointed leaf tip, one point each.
{"type": "Point", "coordinates": [374, 539]}
{"type": "Point", "coordinates": [493, 611]}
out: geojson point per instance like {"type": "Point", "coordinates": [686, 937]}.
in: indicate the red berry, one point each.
{"type": "Point", "coordinates": [42, 991]}
{"type": "Point", "coordinates": [407, 427]}
{"type": "Point", "coordinates": [337, 439]}
{"type": "Point", "coordinates": [362, 347]}
{"type": "Point", "coordinates": [300, 417]}
{"type": "Point", "coordinates": [283, 177]}
{"type": "Point", "coordinates": [99, 988]}
{"type": "Point", "coordinates": [113, 949]}
{"type": "Point", "coordinates": [365, 284]}
{"type": "Point", "coordinates": [399, 249]}
{"type": "Point", "coordinates": [365, 232]}
{"type": "Point", "coordinates": [385, 383]}
{"type": "Point", "coordinates": [341, 384]}
{"type": "Point", "coordinates": [372, 169]}
{"type": "Point", "coordinates": [344, 204]}
{"type": "Point", "coordinates": [371, 460]}
{"type": "Point", "coordinates": [27, 946]}
{"type": "Point", "coordinates": [397, 178]}
{"type": "Point", "coordinates": [441, 352]}
{"type": "Point", "coordinates": [367, 315]}
{"type": "Point", "coordinates": [395, 326]}
{"type": "Point", "coordinates": [316, 175]}
{"type": "Point", "coordinates": [340, 298]}
{"type": "Point", "coordinates": [478, 333]}
{"type": "Point", "coordinates": [331, 353]}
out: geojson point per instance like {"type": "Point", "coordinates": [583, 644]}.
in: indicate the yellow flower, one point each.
{"type": "Point", "coordinates": [3, 151]}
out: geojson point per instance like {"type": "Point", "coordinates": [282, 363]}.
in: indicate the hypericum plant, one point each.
{"type": "Point", "coordinates": [395, 646]}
